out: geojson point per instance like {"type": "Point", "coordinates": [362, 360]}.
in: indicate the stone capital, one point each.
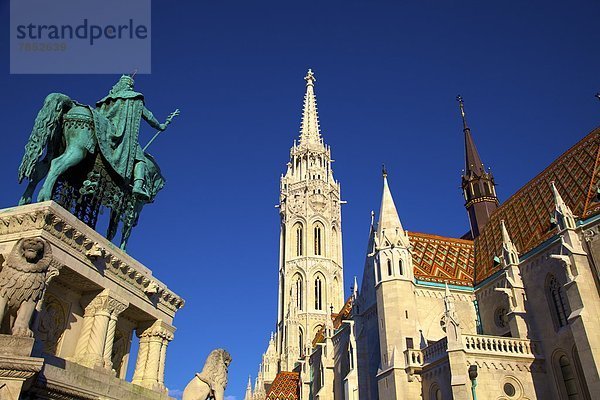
{"type": "Point", "coordinates": [107, 302]}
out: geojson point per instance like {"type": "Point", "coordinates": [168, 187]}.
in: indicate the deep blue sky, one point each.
{"type": "Point", "coordinates": [387, 77]}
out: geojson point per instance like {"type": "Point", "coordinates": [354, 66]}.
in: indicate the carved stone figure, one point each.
{"type": "Point", "coordinates": [23, 280]}
{"type": "Point", "coordinates": [211, 382]}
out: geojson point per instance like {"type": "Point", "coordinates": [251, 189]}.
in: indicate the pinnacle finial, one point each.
{"type": "Point", "coordinates": [461, 105]}
{"type": "Point", "coordinates": [310, 78]}
{"type": "Point", "coordinates": [383, 171]}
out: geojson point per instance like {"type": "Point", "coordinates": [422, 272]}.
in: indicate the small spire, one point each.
{"type": "Point", "coordinates": [355, 288]}
{"type": "Point", "coordinates": [509, 251]}
{"type": "Point", "coordinates": [461, 105]}
{"type": "Point", "coordinates": [389, 221]}
{"type": "Point", "coordinates": [564, 217]}
{"type": "Point", "coordinates": [248, 395]}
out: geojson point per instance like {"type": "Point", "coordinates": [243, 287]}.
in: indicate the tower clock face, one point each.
{"type": "Point", "coordinates": [318, 202]}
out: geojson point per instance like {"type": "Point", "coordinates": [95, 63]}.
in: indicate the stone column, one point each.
{"type": "Point", "coordinates": [110, 334]}
{"type": "Point", "coordinates": [150, 365]}
{"type": "Point", "coordinates": [94, 347]}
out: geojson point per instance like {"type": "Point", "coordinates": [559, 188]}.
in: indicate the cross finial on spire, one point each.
{"type": "Point", "coordinates": [310, 78]}
{"type": "Point", "coordinates": [461, 105]}
{"type": "Point", "coordinates": [383, 171]}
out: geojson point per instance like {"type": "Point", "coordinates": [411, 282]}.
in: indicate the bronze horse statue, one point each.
{"type": "Point", "coordinates": [115, 172]}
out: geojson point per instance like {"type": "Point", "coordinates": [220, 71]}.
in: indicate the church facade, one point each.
{"type": "Point", "coordinates": [508, 311]}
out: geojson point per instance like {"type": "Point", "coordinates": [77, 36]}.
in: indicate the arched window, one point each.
{"type": "Point", "coordinates": [569, 378]}
{"type": "Point", "coordinates": [318, 293]}
{"type": "Point", "coordinates": [377, 271]}
{"type": "Point", "coordinates": [299, 240]}
{"type": "Point", "coordinates": [318, 236]}
{"type": "Point", "coordinates": [351, 356]}
{"type": "Point", "coordinates": [389, 267]}
{"type": "Point", "coordinates": [299, 297]}
{"type": "Point", "coordinates": [558, 304]}
{"type": "Point", "coordinates": [400, 267]}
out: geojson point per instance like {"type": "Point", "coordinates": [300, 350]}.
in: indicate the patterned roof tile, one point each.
{"type": "Point", "coordinates": [527, 213]}
{"type": "Point", "coordinates": [286, 386]}
{"type": "Point", "coordinates": [442, 259]}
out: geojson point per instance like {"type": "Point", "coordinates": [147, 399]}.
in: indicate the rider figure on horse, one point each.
{"type": "Point", "coordinates": [119, 140]}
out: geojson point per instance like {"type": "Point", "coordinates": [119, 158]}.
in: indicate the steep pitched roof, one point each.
{"type": "Point", "coordinates": [527, 213]}
{"type": "Point", "coordinates": [442, 259]}
{"type": "Point", "coordinates": [286, 386]}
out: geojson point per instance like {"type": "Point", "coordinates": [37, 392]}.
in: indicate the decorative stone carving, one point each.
{"type": "Point", "coordinates": [211, 382]}
{"type": "Point", "coordinates": [23, 281]}
{"type": "Point", "coordinates": [54, 221]}
{"type": "Point", "coordinates": [51, 324]}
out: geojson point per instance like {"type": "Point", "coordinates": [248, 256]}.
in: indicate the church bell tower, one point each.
{"type": "Point", "coordinates": [479, 188]}
{"type": "Point", "coordinates": [310, 268]}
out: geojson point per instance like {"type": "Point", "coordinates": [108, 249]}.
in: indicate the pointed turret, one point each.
{"type": "Point", "coordinates": [510, 255]}
{"type": "Point", "coordinates": [563, 216]}
{"type": "Point", "coordinates": [248, 395]}
{"type": "Point", "coordinates": [389, 227]}
{"type": "Point", "coordinates": [477, 184]}
{"type": "Point", "coordinates": [310, 133]}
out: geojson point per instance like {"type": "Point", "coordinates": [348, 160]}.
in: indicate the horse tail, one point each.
{"type": "Point", "coordinates": [45, 130]}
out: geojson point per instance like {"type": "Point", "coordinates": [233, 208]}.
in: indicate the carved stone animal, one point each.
{"type": "Point", "coordinates": [23, 280]}
{"type": "Point", "coordinates": [211, 382]}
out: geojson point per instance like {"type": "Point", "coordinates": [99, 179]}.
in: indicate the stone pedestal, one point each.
{"type": "Point", "coordinates": [86, 317]}
{"type": "Point", "coordinates": [16, 365]}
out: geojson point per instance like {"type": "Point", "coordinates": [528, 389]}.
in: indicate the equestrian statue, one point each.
{"type": "Point", "coordinates": [113, 171]}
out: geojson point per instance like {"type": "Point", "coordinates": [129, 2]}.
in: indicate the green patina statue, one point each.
{"type": "Point", "coordinates": [115, 171]}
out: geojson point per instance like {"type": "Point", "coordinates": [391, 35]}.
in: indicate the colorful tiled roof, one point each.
{"type": "Point", "coordinates": [336, 319]}
{"type": "Point", "coordinates": [527, 213]}
{"type": "Point", "coordinates": [442, 259]}
{"type": "Point", "coordinates": [286, 386]}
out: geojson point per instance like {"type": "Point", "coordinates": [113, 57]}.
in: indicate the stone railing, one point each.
{"type": "Point", "coordinates": [505, 346]}
{"type": "Point", "coordinates": [414, 358]}
{"type": "Point", "coordinates": [435, 351]}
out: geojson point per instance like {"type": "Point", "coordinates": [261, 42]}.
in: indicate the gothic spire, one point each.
{"type": "Point", "coordinates": [389, 222]}
{"type": "Point", "coordinates": [477, 184]}
{"type": "Point", "coordinates": [473, 164]}
{"type": "Point", "coordinates": [509, 251]}
{"type": "Point", "coordinates": [248, 395]}
{"type": "Point", "coordinates": [563, 215]}
{"type": "Point", "coordinates": [310, 133]}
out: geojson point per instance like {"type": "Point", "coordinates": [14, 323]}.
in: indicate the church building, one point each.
{"type": "Point", "coordinates": [507, 311]}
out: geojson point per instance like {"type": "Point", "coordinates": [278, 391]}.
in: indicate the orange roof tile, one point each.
{"type": "Point", "coordinates": [442, 259]}
{"type": "Point", "coordinates": [527, 213]}
{"type": "Point", "coordinates": [286, 386]}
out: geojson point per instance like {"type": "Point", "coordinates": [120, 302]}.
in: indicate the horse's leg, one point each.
{"type": "Point", "coordinates": [112, 225]}
{"type": "Point", "coordinates": [73, 155]}
{"type": "Point", "coordinates": [40, 171]}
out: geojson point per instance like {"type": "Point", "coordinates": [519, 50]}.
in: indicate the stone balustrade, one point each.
{"type": "Point", "coordinates": [435, 351]}
{"type": "Point", "coordinates": [505, 346]}
{"type": "Point", "coordinates": [414, 359]}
